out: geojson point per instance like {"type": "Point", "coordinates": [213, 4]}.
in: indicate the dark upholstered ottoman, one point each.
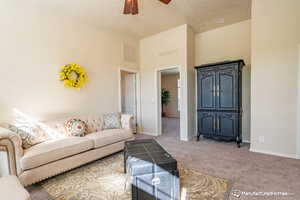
{"type": "Point", "coordinates": [153, 171]}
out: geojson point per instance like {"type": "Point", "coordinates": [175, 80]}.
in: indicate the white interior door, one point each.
{"type": "Point", "coordinates": [129, 100]}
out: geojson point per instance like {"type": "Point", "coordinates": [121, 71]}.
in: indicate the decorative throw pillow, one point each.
{"type": "Point", "coordinates": [30, 135]}
{"type": "Point", "coordinates": [76, 127]}
{"type": "Point", "coordinates": [111, 121]}
{"type": "Point", "coordinates": [93, 123]}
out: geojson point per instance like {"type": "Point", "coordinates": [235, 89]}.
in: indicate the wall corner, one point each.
{"type": "Point", "coordinates": [298, 109]}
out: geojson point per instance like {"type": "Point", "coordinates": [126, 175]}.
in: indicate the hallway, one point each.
{"type": "Point", "coordinates": [171, 127]}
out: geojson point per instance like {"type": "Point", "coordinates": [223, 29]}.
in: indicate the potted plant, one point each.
{"type": "Point", "coordinates": [165, 99]}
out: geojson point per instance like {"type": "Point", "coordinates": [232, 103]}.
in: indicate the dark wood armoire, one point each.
{"type": "Point", "coordinates": [219, 109]}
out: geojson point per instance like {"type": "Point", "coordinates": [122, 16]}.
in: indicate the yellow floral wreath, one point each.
{"type": "Point", "coordinates": [72, 75]}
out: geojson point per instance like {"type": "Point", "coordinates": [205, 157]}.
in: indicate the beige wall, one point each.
{"type": "Point", "coordinates": [275, 77]}
{"type": "Point", "coordinates": [191, 90]}
{"type": "Point", "coordinates": [33, 47]}
{"type": "Point", "coordinates": [225, 43]}
{"type": "Point", "coordinates": [169, 82]}
{"type": "Point", "coordinates": [165, 49]}
{"type": "Point", "coordinates": [32, 51]}
{"type": "Point", "coordinates": [229, 43]}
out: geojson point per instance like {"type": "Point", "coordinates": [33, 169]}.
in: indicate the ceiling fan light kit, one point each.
{"type": "Point", "coordinates": [131, 6]}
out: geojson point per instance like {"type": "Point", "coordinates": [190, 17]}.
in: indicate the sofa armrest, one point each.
{"type": "Point", "coordinates": [12, 144]}
{"type": "Point", "coordinates": [127, 121]}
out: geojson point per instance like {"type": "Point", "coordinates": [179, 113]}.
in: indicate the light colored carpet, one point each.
{"type": "Point", "coordinates": [247, 171]}
{"type": "Point", "coordinates": [105, 180]}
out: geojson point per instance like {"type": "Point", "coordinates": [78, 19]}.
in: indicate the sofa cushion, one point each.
{"type": "Point", "coordinates": [56, 128]}
{"type": "Point", "coordinates": [110, 136]}
{"type": "Point", "coordinates": [11, 189]}
{"type": "Point", "coordinates": [54, 150]}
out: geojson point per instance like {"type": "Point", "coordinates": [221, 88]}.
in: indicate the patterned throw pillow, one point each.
{"type": "Point", "coordinates": [112, 121]}
{"type": "Point", "coordinates": [30, 135]}
{"type": "Point", "coordinates": [76, 127]}
{"type": "Point", "coordinates": [93, 123]}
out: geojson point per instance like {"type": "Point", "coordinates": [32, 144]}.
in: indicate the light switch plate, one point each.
{"type": "Point", "coordinates": [261, 139]}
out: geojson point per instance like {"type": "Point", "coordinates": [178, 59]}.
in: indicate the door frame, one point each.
{"type": "Point", "coordinates": [298, 124]}
{"type": "Point", "coordinates": [137, 93]}
{"type": "Point", "coordinates": [158, 72]}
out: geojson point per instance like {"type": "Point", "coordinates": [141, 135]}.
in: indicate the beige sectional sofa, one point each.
{"type": "Point", "coordinates": [59, 155]}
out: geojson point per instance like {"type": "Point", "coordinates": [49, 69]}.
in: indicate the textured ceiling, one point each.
{"type": "Point", "coordinates": [154, 16]}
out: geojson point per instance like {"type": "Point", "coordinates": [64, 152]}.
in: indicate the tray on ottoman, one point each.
{"type": "Point", "coordinates": [153, 171]}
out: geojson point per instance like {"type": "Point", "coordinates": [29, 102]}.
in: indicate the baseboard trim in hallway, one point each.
{"type": "Point", "coordinates": [148, 133]}
{"type": "Point", "coordinates": [275, 154]}
{"type": "Point", "coordinates": [246, 141]}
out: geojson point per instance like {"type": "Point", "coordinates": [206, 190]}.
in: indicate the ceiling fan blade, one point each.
{"type": "Point", "coordinates": [135, 7]}
{"type": "Point", "coordinates": [165, 1]}
{"type": "Point", "coordinates": [131, 7]}
{"type": "Point", "coordinates": [127, 7]}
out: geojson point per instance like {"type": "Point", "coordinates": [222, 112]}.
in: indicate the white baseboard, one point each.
{"type": "Point", "coordinates": [172, 116]}
{"type": "Point", "coordinates": [294, 156]}
{"type": "Point", "coordinates": [246, 141]}
{"type": "Point", "coordinates": [148, 133]}
{"type": "Point", "coordinates": [185, 139]}
{"type": "Point", "coordinates": [154, 134]}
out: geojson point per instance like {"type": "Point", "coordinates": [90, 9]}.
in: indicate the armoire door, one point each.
{"type": "Point", "coordinates": [206, 89]}
{"type": "Point", "coordinates": [227, 124]}
{"type": "Point", "coordinates": [206, 123]}
{"type": "Point", "coordinates": [227, 88]}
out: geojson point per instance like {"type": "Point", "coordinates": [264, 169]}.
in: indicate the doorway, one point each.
{"type": "Point", "coordinates": [170, 94]}
{"type": "Point", "coordinates": [128, 95]}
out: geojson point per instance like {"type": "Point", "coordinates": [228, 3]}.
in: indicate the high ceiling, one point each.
{"type": "Point", "coordinates": [153, 16]}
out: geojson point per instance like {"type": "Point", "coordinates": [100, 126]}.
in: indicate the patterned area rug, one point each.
{"type": "Point", "coordinates": [105, 180]}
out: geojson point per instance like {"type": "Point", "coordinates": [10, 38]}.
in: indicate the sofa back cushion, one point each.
{"type": "Point", "coordinates": [93, 124]}
{"type": "Point", "coordinates": [57, 128]}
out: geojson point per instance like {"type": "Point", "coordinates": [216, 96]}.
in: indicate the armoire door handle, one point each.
{"type": "Point", "coordinates": [214, 125]}
{"type": "Point", "coordinates": [214, 90]}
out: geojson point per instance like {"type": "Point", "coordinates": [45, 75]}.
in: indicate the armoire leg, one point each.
{"type": "Point", "coordinates": [238, 141]}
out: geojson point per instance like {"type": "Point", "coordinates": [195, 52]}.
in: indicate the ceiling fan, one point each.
{"type": "Point", "coordinates": [131, 6]}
